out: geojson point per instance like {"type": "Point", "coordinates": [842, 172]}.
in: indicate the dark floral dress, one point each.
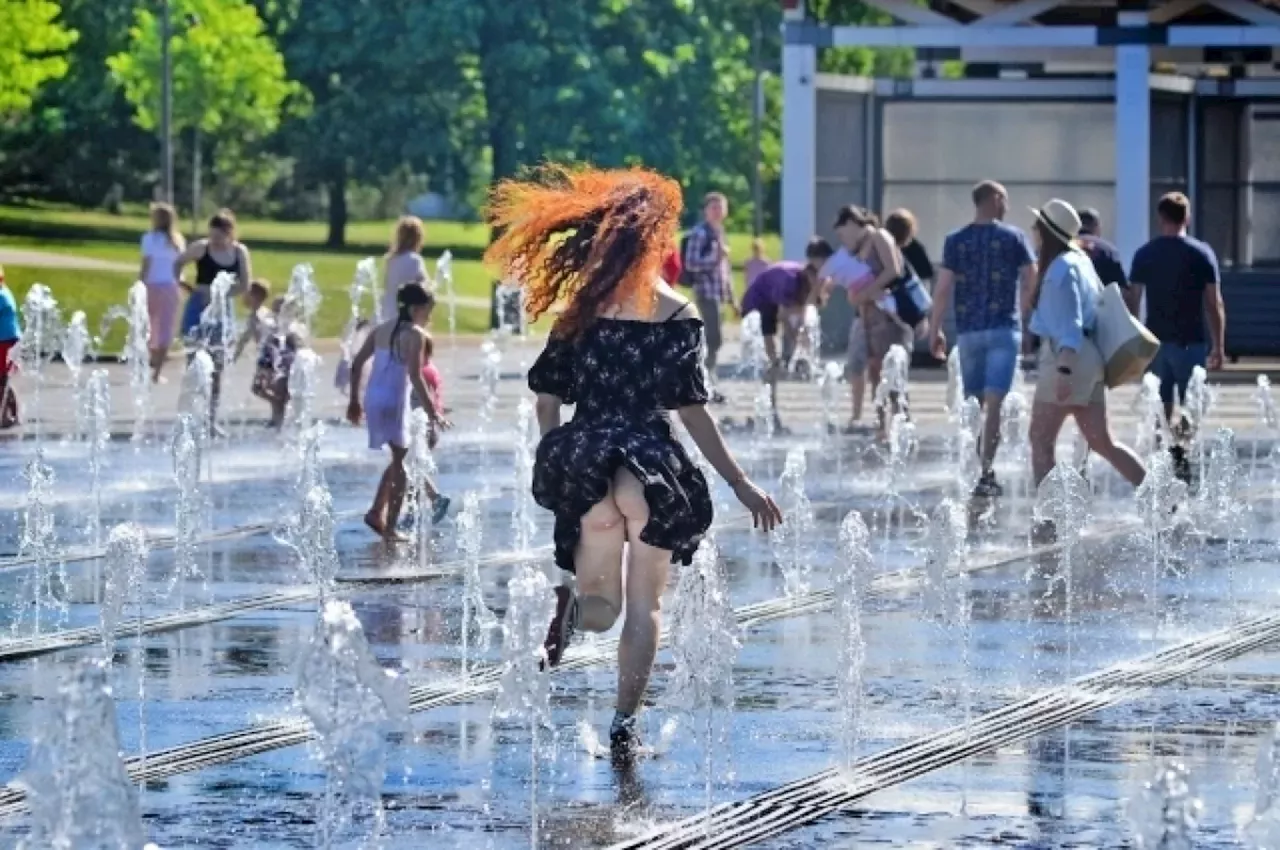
{"type": "Point", "coordinates": [623, 376]}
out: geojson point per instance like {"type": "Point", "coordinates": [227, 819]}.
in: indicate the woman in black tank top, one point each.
{"type": "Point", "coordinates": [218, 253]}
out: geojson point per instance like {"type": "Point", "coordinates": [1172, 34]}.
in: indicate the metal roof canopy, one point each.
{"type": "Point", "coordinates": [1126, 40]}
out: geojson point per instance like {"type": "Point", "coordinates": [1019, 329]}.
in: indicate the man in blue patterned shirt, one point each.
{"type": "Point", "coordinates": [706, 264]}
{"type": "Point", "coordinates": [992, 270]}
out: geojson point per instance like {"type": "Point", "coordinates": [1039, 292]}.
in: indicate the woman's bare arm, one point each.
{"type": "Point", "coordinates": [890, 269]}
{"type": "Point", "coordinates": [412, 351]}
{"type": "Point", "coordinates": [145, 269]}
{"type": "Point", "coordinates": [246, 270]}
{"type": "Point", "coordinates": [193, 252]}
{"type": "Point", "coordinates": [706, 436]}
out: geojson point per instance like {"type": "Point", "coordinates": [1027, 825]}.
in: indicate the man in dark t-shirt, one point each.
{"type": "Point", "coordinates": [1184, 304]}
{"type": "Point", "coordinates": [1105, 257]}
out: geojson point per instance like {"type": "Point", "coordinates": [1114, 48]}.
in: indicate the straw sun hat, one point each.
{"type": "Point", "coordinates": [1060, 218]}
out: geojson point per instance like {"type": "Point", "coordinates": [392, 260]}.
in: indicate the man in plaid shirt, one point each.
{"type": "Point", "coordinates": [706, 262]}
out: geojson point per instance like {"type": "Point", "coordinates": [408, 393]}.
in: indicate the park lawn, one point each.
{"type": "Point", "coordinates": [467, 241]}
{"type": "Point", "coordinates": [95, 292]}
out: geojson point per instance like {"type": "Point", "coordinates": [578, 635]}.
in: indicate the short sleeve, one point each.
{"type": "Point", "coordinates": [1139, 272]}
{"type": "Point", "coordinates": [689, 382]}
{"type": "Point", "coordinates": [1026, 256]}
{"type": "Point", "coordinates": [1209, 264]}
{"type": "Point", "coordinates": [552, 373]}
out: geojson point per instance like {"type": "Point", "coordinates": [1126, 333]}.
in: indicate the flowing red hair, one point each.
{"type": "Point", "coordinates": [586, 236]}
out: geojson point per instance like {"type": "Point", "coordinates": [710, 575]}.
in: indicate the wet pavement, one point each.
{"type": "Point", "coordinates": [457, 777]}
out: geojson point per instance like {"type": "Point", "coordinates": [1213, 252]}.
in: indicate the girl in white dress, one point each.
{"type": "Point", "coordinates": [398, 348]}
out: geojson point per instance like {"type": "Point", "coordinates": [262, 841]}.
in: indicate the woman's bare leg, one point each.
{"type": "Point", "coordinates": [647, 569]}
{"type": "Point", "coordinates": [858, 392]}
{"type": "Point", "coordinates": [1046, 423]}
{"type": "Point", "coordinates": [376, 518]}
{"type": "Point", "coordinates": [1092, 421]}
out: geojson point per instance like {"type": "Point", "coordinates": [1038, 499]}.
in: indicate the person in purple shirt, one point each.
{"type": "Point", "coordinates": [779, 294]}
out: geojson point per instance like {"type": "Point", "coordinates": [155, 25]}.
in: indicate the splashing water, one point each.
{"type": "Point", "coordinates": [968, 433]}
{"type": "Point", "coordinates": [704, 640]}
{"type": "Point", "coordinates": [808, 344]}
{"type": "Point", "coordinates": [753, 359]}
{"type": "Point", "coordinates": [300, 413]}
{"type": "Point", "coordinates": [39, 543]}
{"type": "Point", "coordinates": [421, 469]}
{"type": "Point", "coordinates": [1158, 497]}
{"type": "Point", "coordinates": [1220, 509]}
{"type": "Point", "coordinates": [478, 622]}
{"type": "Point", "coordinates": [1153, 426]}
{"type": "Point", "coordinates": [125, 574]}
{"type": "Point", "coordinates": [218, 321]}
{"type": "Point", "coordinates": [490, 380]}
{"type": "Point", "coordinates": [765, 418]}
{"type": "Point", "coordinates": [892, 389]}
{"type": "Point", "coordinates": [1015, 422]}
{"type": "Point", "coordinates": [444, 280]}
{"type": "Point", "coordinates": [1165, 811]}
{"type": "Point", "coordinates": [1197, 406]}
{"type": "Point", "coordinates": [793, 540]}
{"type": "Point", "coordinates": [1063, 501]}
{"type": "Point", "coordinates": [137, 351]}
{"type": "Point", "coordinates": [852, 573]}
{"type": "Point", "coordinates": [352, 703]}
{"type": "Point", "coordinates": [310, 534]}
{"type": "Point", "coordinates": [509, 297]}
{"type": "Point", "coordinates": [76, 345]}
{"type": "Point", "coordinates": [363, 285]}
{"type": "Point", "coordinates": [955, 384]}
{"type": "Point", "coordinates": [79, 792]}
{"type": "Point", "coordinates": [197, 396]}
{"type": "Point", "coordinates": [829, 387]}
{"type": "Point", "coordinates": [96, 415]}
{"type": "Point", "coordinates": [523, 690]}
{"type": "Point", "coordinates": [185, 450]}
{"type": "Point", "coordinates": [303, 295]}
{"type": "Point", "coordinates": [944, 551]}
{"type": "Point", "coordinates": [704, 635]}
{"type": "Point", "coordinates": [42, 332]}
{"type": "Point", "coordinates": [522, 523]}
{"type": "Point", "coordinates": [1262, 832]}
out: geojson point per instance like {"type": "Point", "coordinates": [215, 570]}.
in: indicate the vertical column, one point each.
{"type": "Point", "coordinates": [1133, 140]}
{"type": "Point", "coordinates": [799, 147]}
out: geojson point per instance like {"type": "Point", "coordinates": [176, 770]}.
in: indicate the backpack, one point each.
{"type": "Point", "coordinates": [686, 276]}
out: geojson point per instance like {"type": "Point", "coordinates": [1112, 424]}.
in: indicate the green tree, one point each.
{"type": "Point", "coordinates": [229, 80]}
{"type": "Point", "coordinates": [32, 47]}
{"type": "Point", "coordinates": [384, 80]}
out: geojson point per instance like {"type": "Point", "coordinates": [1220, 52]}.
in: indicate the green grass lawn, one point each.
{"type": "Point", "coordinates": [276, 247]}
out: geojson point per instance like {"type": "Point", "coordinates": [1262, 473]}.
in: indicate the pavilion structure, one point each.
{"type": "Point", "coordinates": [1107, 103]}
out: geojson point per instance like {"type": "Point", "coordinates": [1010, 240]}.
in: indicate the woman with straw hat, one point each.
{"type": "Point", "coordinates": [1071, 375]}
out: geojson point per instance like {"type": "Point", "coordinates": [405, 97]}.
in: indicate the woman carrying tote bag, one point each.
{"type": "Point", "coordinates": [1072, 372]}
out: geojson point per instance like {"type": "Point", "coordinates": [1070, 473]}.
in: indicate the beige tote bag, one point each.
{"type": "Point", "coordinates": [1127, 346]}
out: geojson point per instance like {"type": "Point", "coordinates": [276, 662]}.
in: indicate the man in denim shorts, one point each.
{"type": "Point", "coordinates": [990, 268]}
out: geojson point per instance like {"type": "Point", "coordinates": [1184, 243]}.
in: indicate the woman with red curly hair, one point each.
{"type": "Point", "coordinates": [625, 351]}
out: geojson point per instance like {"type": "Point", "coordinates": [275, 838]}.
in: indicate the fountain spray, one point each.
{"type": "Point", "coordinates": [490, 380]}
{"type": "Point", "coordinates": [421, 469]}
{"type": "Point", "coordinates": [850, 583]}
{"type": "Point", "coordinates": [126, 578]}
{"type": "Point", "coordinates": [352, 703]}
{"type": "Point", "coordinates": [79, 790]}
{"type": "Point", "coordinates": [136, 352]}
{"type": "Point", "coordinates": [1268, 420]}
{"type": "Point", "coordinates": [76, 344]}
{"type": "Point", "coordinates": [444, 280]}
{"type": "Point", "coordinates": [476, 616]}
{"type": "Point", "coordinates": [526, 446]}
{"type": "Point", "coordinates": [1158, 497]}
{"type": "Point", "coordinates": [300, 413]}
{"type": "Point", "coordinates": [1165, 811]}
{"type": "Point", "coordinates": [1262, 832]}
{"type": "Point", "coordinates": [185, 450]}
{"type": "Point", "coordinates": [1197, 405]}
{"type": "Point", "coordinates": [704, 641]}
{"type": "Point", "coordinates": [793, 540]}
{"type": "Point", "coordinates": [1219, 505]}
{"type": "Point", "coordinates": [1063, 502]}
{"type": "Point", "coordinates": [523, 690]}
{"type": "Point", "coordinates": [43, 331]}
{"type": "Point", "coordinates": [39, 543]}
{"type": "Point", "coordinates": [96, 414]}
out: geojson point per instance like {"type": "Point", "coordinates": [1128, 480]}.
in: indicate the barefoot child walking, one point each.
{"type": "Point", "coordinates": [398, 348]}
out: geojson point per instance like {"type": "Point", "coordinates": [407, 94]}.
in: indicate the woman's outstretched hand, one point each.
{"type": "Point", "coordinates": [765, 514]}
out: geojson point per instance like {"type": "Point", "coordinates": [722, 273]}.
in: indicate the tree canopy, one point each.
{"type": "Point", "coordinates": [32, 50]}
{"type": "Point", "coordinates": [317, 104]}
